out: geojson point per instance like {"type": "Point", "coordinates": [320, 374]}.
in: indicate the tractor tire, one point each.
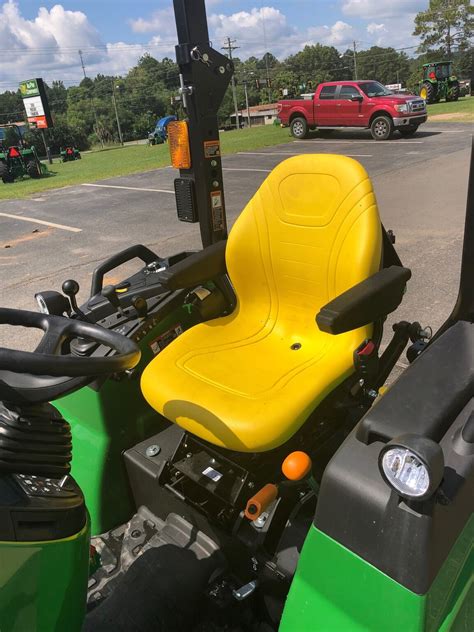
{"type": "Point", "coordinates": [5, 174]}
{"type": "Point", "coordinates": [299, 128]}
{"type": "Point", "coordinates": [453, 91]}
{"type": "Point", "coordinates": [429, 92]}
{"type": "Point", "coordinates": [382, 128]}
{"type": "Point", "coordinates": [408, 131]}
{"type": "Point", "coordinates": [32, 169]}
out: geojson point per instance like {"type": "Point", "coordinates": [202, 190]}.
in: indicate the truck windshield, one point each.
{"type": "Point", "coordinates": [374, 89]}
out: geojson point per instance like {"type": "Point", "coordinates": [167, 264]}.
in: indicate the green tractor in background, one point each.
{"type": "Point", "coordinates": [70, 153]}
{"type": "Point", "coordinates": [439, 82]}
{"type": "Point", "coordinates": [18, 161]}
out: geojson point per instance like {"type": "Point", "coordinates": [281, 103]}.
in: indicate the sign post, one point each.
{"type": "Point", "coordinates": [37, 109]}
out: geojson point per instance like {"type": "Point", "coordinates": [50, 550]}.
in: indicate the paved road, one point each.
{"type": "Point", "coordinates": [420, 183]}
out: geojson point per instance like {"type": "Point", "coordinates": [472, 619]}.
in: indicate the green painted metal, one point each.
{"type": "Point", "coordinates": [43, 585]}
{"type": "Point", "coordinates": [105, 423]}
{"type": "Point", "coordinates": [336, 590]}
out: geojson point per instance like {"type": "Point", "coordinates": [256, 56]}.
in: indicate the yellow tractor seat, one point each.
{"type": "Point", "coordinates": [248, 381]}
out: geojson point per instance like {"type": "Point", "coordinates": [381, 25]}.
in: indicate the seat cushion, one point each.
{"type": "Point", "coordinates": [249, 380]}
{"type": "Point", "coordinates": [246, 394]}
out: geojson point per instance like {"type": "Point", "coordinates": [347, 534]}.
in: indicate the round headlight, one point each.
{"type": "Point", "coordinates": [413, 466]}
{"type": "Point", "coordinates": [51, 302]}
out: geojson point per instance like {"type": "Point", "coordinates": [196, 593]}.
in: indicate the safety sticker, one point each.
{"type": "Point", "coordinates": [158, 344]}
{"type": "Point", "coordinates": [217, 210]}
{"type": "Point", "coordinates": [213, 474]}
{"type": "Point", "coordinates": [212, 148]}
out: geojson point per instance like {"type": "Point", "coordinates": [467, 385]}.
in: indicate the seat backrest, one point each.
{"type": "Point", "coordinates": [310, 232]}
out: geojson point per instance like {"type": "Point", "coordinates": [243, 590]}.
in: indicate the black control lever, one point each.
{"type": "Point", "coordinates": [71, 288]}
{"type": "Point", "coordinates": [111, 295]}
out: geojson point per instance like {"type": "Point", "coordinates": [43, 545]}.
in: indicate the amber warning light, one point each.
{"type": "Point", "coordinates": [178, 139]}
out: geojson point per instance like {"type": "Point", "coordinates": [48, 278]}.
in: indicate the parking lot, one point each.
{"type": "Point", "coordinates": [420, 184]}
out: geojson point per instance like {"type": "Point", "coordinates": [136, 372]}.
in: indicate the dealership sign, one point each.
{"type": "Point", "coordinates": [36, 104]}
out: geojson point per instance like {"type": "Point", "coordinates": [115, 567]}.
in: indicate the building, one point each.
{"type": "Point", "coordinates": [259, 115]}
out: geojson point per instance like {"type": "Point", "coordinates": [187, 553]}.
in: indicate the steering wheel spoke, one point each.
{"type": "Point", "coordinates": [52, 341]}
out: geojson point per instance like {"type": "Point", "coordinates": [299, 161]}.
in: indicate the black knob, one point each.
{"type": "Point", "coordinates": [70, 289]}
{"type": "Point", "coordinates": [141, 307]}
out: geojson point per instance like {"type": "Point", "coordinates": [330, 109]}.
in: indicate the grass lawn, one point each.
{"type": "Point", "coordinates": [461, 111]}
{"type": "Point", "coordinates": [120, 161]}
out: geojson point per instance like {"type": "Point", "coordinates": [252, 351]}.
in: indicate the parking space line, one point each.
{"type": "Point", "coordinates": [116, 186]}
{"type": "Point", "coordinates": [286, 153]}
{"type": "Point", "coordinates": [33, 220]}
{"type": "Point", "coordinates": [445, 131]}
{"type": "Point", "coordinates": [360, 142]}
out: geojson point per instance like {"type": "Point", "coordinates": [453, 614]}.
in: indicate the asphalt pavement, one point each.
{"type": "Point", "coordinates": [420, 183]}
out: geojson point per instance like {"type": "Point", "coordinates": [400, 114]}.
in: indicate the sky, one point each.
{"type": "Point", "coordinates": [41, 38]}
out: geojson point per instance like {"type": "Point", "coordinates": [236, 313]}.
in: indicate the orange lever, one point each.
{"type": "Point", "coordinates": [261, 501]}
{"type": "Point", "coordinates": [296, 466]}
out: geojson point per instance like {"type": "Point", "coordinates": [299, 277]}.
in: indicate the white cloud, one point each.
{"type": "Point", "coordinates": [339, 34]}
{"type": "Point", "coordinates": [47, 46]}
{"type": "Point", "coordinates": [378, 9]}
{"type": "Point", "coordinates": [162, 20]}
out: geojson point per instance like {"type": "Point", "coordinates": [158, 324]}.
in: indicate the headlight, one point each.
{"type": "Point", "coordinates": [52, 303]}
{"type": "Point", "coordinates": [413, 466]}
{"type": "Point", "coordinates": [402, 108]}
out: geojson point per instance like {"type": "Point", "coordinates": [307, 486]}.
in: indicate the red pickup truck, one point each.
{"type": "Point", "coordinates": [366, 104]}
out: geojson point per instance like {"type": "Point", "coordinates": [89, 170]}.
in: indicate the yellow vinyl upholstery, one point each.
{"type": "Point", "coordinates": [248, 381]}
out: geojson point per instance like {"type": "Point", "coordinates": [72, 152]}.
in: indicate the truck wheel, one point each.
{"type": "Point", "coordinates": [381, 127]}
{"type": "Point", "coordinates": [299, 127]}
{"type": "Point", "coordinates": [408, 131]}
{"type": "Point", "coordinates": [32, 169]}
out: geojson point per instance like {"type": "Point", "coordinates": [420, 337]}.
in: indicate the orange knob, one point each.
{"type": "Point", "coordinates": [296, 466]}
{"type": "Point", "coordinates": [261, 501]}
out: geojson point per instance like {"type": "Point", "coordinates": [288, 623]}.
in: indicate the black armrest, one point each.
{"type": "Point", "coordinates": [366, 302]}
{"type": "Point", "coordinates": [202, 266]}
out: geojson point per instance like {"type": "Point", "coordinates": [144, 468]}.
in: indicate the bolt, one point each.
{"type": "Point", "coordinates": [215, 183]}
{"type": "Point", "coordinates": [213, 163]}
{"type": "Point", "coordinates": [153, 450]}
{"type": "Point", "coordinates": [205, 57]}
{"type": "Point", "coordinates": [250, 485]}
{"type": "Point", "coordinates": [372, 393]}
{"type": "Point", "coordinates": [136, 533]}
{"type": "Point", "coordinates": [221, 70]}
{"type": "Point", "coordinates": [361, 382]}
{"type": "Point", "coordinates": [261, 520]}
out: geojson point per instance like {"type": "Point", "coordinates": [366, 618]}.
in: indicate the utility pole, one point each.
{"type": "Point", "coordinates": [249, 123]}
{"type": "Point", "coordinates": [355, 60]}
{"type": "Point", "coordinates": [82, 63]}
{"type": "Point", "coordinates": [229, 48]}
{"type": "Point", "coordinates": [92, 101]}
{"type": "Point", "coordinates": [116, 113]}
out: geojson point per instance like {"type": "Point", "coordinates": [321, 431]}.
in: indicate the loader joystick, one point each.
{"type": "Point", "coordinates": [71, 288]}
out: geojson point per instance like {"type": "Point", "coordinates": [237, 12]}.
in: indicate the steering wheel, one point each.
{"type": "Point", "coordinates": [47, 359]}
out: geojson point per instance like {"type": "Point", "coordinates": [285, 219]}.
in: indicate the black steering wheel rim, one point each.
{"type": "Point", "coordinates": [57, 329]}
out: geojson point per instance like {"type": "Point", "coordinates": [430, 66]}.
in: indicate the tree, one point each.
{"type": "Point", "coordinates": [447, 24]}
{"type": "Point", "coordinates": [383, 64]}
